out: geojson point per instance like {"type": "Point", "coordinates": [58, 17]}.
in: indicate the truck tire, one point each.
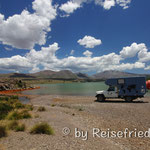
{"type": "Point", "coordinates": [100, 98]}
{"type": "Point", "coordinates": [128, 99]}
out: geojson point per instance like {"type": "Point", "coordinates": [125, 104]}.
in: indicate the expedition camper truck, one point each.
{"type": "Point", "coordinates": [128, 88]}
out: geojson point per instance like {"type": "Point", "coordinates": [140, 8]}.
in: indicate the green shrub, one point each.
{"type": "Point", "coordinates": [19, 105]}
{"type": "Point", "coordinates": [16, 115]}
{"type": "Point", "coordinates": [81, 109]}
{"type": "Point", "coordinates": [14, 125]}
{"type": "Point", "coordinates": [4, 109]}
{"type": "Point", "coordinates": [53, 105]}
{"type": "Point", "coordinates": [41, 108]}
{"type": "Point", "coordinates": [20, 127]}
{"type": "Point", "coordinates": [14, 97]}
{"type": "Point", "coordinates": [42, 128]}
{"type": "Point", "coordinates": [3, 131]}
{"type": "Point", "coordinates": [29, 107]}
{"type": "Point", "coordinates": [6, 98]}
{"type": "Point", "coordinates": [25, 114]}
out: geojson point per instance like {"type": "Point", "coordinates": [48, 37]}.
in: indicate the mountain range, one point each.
{"type": "Point", "coordinates": [68, 75]}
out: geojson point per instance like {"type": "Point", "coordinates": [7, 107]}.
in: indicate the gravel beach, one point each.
{"type": "Point", "coordinates": [83, 114]}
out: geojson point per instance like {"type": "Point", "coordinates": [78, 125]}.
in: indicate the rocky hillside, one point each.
{"type": "Point", "coordinates": [82, 76]}
{"type": "Point", "coordinates": [64, 74]}
{"type": "Point", "coordinates": [68, 75]}
{"type": "Point", "coordinates": [11, 84]}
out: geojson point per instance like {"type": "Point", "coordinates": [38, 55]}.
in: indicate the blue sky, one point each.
{"type": "Point", "coordinates": [80, 35]}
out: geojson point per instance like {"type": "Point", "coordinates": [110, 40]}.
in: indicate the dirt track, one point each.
{"type": "Point", "coordinates": [84, 114]}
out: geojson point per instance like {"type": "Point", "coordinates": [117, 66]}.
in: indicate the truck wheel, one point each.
{"type": "Point", "coordinates": [128, 99]}
{"type": "Point", "coordinates": [100, 98]}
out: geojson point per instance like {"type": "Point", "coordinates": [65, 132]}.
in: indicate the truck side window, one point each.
{"type": "Point", "coordinates": [111, 88]}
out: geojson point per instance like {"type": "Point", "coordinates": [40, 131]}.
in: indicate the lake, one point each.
{"type": "Point", "coordinates": [74, 89]}
{"type": "Point", "coordinates": [82, 89]}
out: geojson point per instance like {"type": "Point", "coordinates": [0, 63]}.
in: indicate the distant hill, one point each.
{"type": "Point", "coordinates": [114, 74]}
{"type": "Point", "coordinates": [64, 74]}
{"type": "Point", "coordinates": [68, 75]}
{"type": "Point", "coordinates": [82, 75]}
{"type": "Point", "coordinates": [43, 74]}
{"type": "Point", "coordinates": [20, 75]}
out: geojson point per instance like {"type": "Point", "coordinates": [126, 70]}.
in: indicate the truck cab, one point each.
{"type": "Point", "coordinates": [125, 88]}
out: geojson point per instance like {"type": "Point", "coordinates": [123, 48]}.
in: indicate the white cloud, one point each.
{"type": "Point", "coordinates": [126, 66]}
{"type": "Point", "coordinates": [89, 41]}
{"type": "Point", "coordinates": [72, 5]}
{"type": "Point", "coordinates": [69, 7]}
{"type": "Point", "coordinates": [87, 53]}
{"type": "Point", "coordinates": [144, 55]}
{"type": "Point", "coordinates": [45, 55]}
{"type": "Point", "coordinates": [108, 4]}
{"type": "Point", "coordinates": [46, 58]}
{"type": "Point", "coordinates": [131, 51]}
{"type": "Point", "coordinates": [134, 49]}
{"type": "Point", "coordinates": [123, 3]}
{"type": "Point", "coordinates": [15, 63]}
{"type": "Point", "coordinates": [147, 68]}
{"type": "Point", "coordinates": [25, 30]}
{"type": "Point", "coordinates": [72, 52]}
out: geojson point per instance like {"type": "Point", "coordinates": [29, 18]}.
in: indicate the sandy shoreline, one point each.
{"type": "Point", "coordinates": [85, 114]}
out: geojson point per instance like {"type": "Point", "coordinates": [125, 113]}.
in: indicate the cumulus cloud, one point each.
{"type": "Point", "coordinates": [144, 55]}
{"type": "Point", "coordinates": [15, 63]}
{"type": "Point", "coordinates": [136, 49]}
{"type": "Point", "coordinates": [125, 66]}
{"type": "Point", "coordinates": [123, 3]}
{"type": "Point", "coordinates": [69, 7]}
{"type": "Point", "coordinates": [147, 68]}
{"type": "Point", "coordinates": [107, 4]}
{"type": "Point", "coordinates": [131, 51]}
{"type": "Point", "coordinates": [87, 53]}
{"type": "Point", "coordinates": [46, 58]}
{"type": "Point", "coordinates": [89, 41]}
{"type": "Point", "coordinates": [25, 30]}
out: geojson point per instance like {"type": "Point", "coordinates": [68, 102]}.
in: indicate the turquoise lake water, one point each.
{"type": "Point", "coordinates": [81, 89]}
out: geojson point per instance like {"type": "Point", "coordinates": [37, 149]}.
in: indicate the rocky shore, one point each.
{"type": "Point", "coordinates": [11, 84]}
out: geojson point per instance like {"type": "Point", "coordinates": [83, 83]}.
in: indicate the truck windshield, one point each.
{"type": "Point", "coordinates": [111, 88]}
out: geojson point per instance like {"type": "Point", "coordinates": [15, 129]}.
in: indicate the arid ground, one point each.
{"type": "Point", "coordinates": [84, 114]}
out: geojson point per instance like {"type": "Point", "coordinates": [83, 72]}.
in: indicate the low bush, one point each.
{"type": "Point", "coordinates": [16, 115]}
{"type": "Point", "coordinates": [41, 108]}
{"type": "Point", "coordinates": [21, 127]}
{"type": "Point", "coordinates": [13, 115]}
{"type": "Point", "coordinates": [25, 114]}
{"type": "Point", "coordinates": [9, 105]}
{"type": "Point", "coordinates": [53, 105]}
{"type": "Point", "coordinates": [14, 97]}
{"type": "Point", "coordinates": [29, 107]}
{"type": "Point", "coordinates": [3, 131]}
{"type": "Point", "coordinates": [80, 109]}
{"type": "Point", "coordinates": [4, 109]}
{"type": "Point", "coordinates": [42, 128]}
{"type": "Point", "coordinates": [19, 105]}
{"type": "Point", "coordinates": [14, 125]}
